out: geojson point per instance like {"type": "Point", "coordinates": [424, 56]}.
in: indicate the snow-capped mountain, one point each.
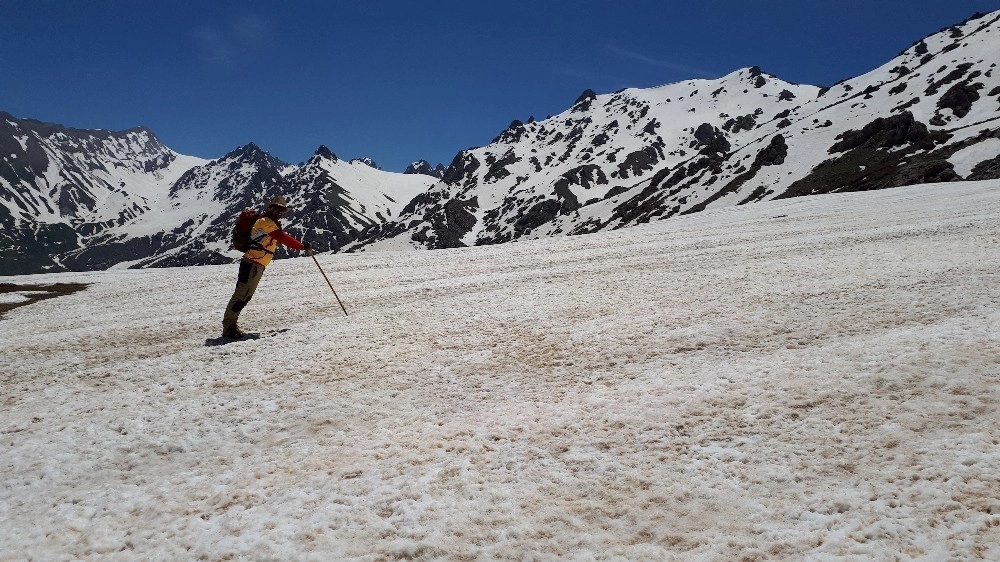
{"type": "Point", "coordinates": [615, 160]}
{"type": "Point", "coordinates": [338, 200]}
{"type": "Point", "coordinates": [60, 187]}
{"type": "Point", "coordinates": [191, 223]}
{"type": "Point", "coordinates": [81, 199]}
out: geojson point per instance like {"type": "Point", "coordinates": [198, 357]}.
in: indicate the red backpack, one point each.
{"type": "Point", "coordinates": [242, 240]}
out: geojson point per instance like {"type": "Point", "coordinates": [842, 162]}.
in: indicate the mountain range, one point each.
{"type": "Point", "coordinates": [74, 199]}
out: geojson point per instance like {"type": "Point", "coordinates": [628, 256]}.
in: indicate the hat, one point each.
{"type": "Point", "coordinates": [278, 201]}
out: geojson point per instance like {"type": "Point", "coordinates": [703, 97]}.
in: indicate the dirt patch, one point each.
{"type": "Point", "coordinates": [35, 293]}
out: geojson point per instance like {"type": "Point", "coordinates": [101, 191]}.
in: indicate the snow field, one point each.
{"type": "Point", "coordinates": [801, 379]}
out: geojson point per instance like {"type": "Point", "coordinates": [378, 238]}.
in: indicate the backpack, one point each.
{"type": "Point", "coordinates": [241, 231]}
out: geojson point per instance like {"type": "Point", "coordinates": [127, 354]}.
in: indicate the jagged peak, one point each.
{"type": "Point", "coordinates": [325, 153]}
{"type": "Point", "coordinates": [142, 129]}
{"type": "Point", "coordinates": [755, 76]}
{"type": "Point", "coordinates": [251, 151]}
{"type": "Point", "coordinates": [582, 103]}
{"type": "Point", "coordinates": [587, 94]}
{"type": "Point", "coordinates": [424, 167]}
{"type": "Point", "coordinates": [366, 161]}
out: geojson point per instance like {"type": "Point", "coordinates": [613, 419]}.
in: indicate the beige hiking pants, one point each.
{"type": "Point", "coordinates": [246, 285]}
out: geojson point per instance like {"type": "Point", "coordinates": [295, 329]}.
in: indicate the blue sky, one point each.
{"type": "Point", "coordinates": [403, 80]}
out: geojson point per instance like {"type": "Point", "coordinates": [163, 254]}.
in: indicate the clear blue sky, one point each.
{"type": "Point", "coordinates": [403, 80]}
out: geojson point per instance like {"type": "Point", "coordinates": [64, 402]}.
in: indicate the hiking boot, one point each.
{"type": "Point", "coordinates": [233, 332]}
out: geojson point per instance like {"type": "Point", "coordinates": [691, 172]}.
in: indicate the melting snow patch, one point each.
{"type": "Point", "coordinates": [966, 159]}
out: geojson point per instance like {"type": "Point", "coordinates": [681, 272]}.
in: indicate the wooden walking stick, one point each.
{"type": "Point", "coordinates": [328, 282]}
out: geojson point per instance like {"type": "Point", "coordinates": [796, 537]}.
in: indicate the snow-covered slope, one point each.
{"type": "Point", "coordinates": [614, 160]}
{"type": "Point", "coordinates": [806, 379]}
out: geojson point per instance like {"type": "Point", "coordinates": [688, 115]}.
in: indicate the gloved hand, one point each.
{"type": "Point", "coordinates": [307, 247]}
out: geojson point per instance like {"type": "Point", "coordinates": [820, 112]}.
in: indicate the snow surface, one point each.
{"type": "Point", "coordinates": [814, 378]}
{"type": "Point", "coordinates": [19, 296]}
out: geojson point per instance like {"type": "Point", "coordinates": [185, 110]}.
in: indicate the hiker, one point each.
{"type": "Point", "coordinates": [265, 235]}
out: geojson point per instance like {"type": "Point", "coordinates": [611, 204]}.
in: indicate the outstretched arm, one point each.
{"type": "Point", "coordinates": [285, 239]}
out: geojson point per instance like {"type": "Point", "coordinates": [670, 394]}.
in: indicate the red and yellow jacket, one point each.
{"type": "Point", "coordinates": [267, 232]}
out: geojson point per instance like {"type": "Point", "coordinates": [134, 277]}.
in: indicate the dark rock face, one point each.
{"type": "Point", "coordinates": [960, 71]}
{"type": "Point", "coordinates": [959, 98]}
{"type": "Point", "coordinates": [898, 89]}
{"type": "Point", "coordinates": [463, 166]}
{"type": "Point", "coordinates": [741, 123]}
{"type": "Point", "coordinates": [583, 102]}
{"type": "Point", "coordinates": [586, 175]}
{"type": "Point", "coordinates": [28, 251]}
{"type": "Point", "coordinates": [319, 217]}
{"type": "Point", "coordinates": [886, 132]}
{"type": "Point", "coordinates": [704, 134]}
{"type": "Point", "coordinates": [498, 169]}
{"type": "Point", "coordinates": [514, 132]}
{"type": "Point", "coordinates": [931, 171]}
{"type": "Point", "coordinates": [774, 154]}
{"type": "Point", "coordinates": [986, 170]}
{"type": "Point", "coordinates": [758, 77]}
{"type": "Point", "coordinates": [452, 224]}
{"type": "Point", "coordinates": [639, 161]}
{"type": "Point", "coordinates": [712, 141]}
{"type": "Point", "coordinates": [539, 214]}
{"type": "Point", "coordinates": [568, 201]}
{"type": "Point", "coordinates": [185, 258]}
{"type": "Point", "coordinates": [252, 154]}
{"type": "Point", "coordinates": [420, 201]}
{"type": "Point", "coordinates": [458, 215]}
{"type": "Point", "coordinates": [888, 152]}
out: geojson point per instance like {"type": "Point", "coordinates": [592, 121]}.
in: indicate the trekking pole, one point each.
{"type": "Point", "coordinates": [328, 283]}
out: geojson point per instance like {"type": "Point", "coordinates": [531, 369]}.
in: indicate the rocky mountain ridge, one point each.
{"type": "Point", "coordinates": [424, 167]}
{"type": "Point", "coordinates": [615, 160]}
